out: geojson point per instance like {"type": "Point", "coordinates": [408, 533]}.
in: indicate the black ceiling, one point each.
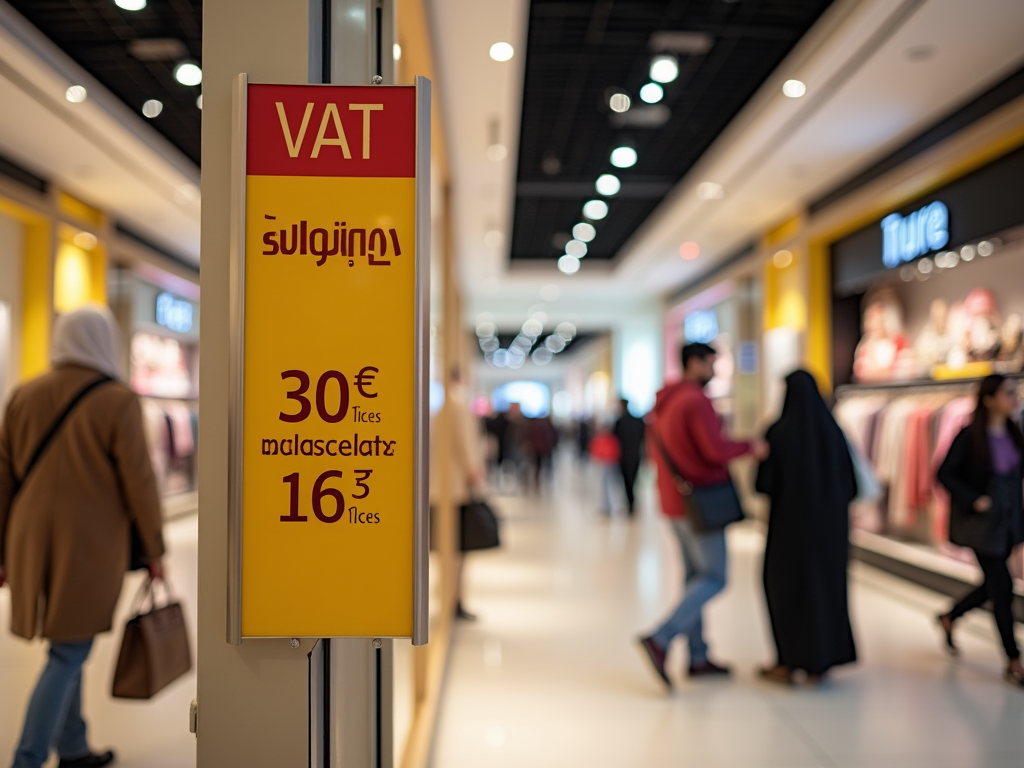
{"type": "Point", "coordinates": [97, 34]}
{"type": "Point", "coordinates": [580, 49]}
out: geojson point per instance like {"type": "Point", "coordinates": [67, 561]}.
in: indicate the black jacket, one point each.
{"type": "Point", "coordinates": [994, 532]}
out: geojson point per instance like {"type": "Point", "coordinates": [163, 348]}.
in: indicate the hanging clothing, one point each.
{"type": "Point", "coordinates": [809, 479]}
{"type": "Point", "coordinates": [954, 417]}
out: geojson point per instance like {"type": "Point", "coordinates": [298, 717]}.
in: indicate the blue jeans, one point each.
{"type": "Point", "coordinates": [54, 717]}
{"type": "Point", "coordinates": [704, 568]}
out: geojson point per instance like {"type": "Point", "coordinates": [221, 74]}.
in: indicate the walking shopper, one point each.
{"type": "Point", "coordinates": [688, 433]}
{"type": "Point", "coordinates": [630, 431]}
{"type": "Point", "coordinates": [605, 453]}
{"type": "Point", "coordinates": [983, 475]}
{"type": "Point", "coordinates": [809, 478]}
{"type": "Point", "coordinates": [66, 513]}
{"type": "Point", "coordinates": [466, 471]}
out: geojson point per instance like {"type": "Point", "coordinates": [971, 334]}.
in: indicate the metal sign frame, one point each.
{"type": "Point", "coordinates": [421, 331]}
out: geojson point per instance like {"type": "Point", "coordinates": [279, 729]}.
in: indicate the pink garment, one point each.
{"type": "Point", "coordinates": [917, 460]}
{"type": "Point", "coordinates": [955, 416]}
{"type": "Point", "coordinates": [181, 425]}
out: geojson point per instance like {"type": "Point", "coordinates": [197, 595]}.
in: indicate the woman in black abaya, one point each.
{"type": "Point", "coordinates": [810, 481]}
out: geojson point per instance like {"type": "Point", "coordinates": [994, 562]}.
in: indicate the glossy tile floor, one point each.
{"type": "Point", "coordinates": [152, 734]}
{"type": "Point", "coordinates": [549, 675]}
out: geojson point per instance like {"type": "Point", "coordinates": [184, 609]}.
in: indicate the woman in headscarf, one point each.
{"type": "Point", "coordinates": [75, 474]}
{"type": "Point", "coordinates": [809, 478]}
{"type": "Point", "coordinates": [983, 474]}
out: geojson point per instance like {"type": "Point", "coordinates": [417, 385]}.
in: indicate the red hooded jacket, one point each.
{"type": "Point", "coordinates": [689, 428]}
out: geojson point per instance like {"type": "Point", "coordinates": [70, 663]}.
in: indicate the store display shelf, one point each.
{"type": "Point", "coordinates": [923, 565]}
{"type": "Point", "coordinates": [908, 384]}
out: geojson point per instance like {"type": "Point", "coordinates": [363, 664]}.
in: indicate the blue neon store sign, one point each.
{"type": "Point", "coordinates": [904, 238]}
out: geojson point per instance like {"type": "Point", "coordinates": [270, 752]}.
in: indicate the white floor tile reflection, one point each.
{"type": "Point", "coordinates": [549, 675]}
{"type": "Point", "coordinates": [150, 734]}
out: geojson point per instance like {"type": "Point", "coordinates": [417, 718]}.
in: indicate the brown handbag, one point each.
{"type": "Point", "coordinates": [154, 648]}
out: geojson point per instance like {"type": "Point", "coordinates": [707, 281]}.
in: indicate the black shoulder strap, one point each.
{"type": "Point", "coordinates": [55, 428]}
{"type": "Point", "coordinates": [684, 485]}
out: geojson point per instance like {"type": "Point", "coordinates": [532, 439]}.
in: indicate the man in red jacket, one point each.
{"type": "Point", "coordinates": [686, 424]}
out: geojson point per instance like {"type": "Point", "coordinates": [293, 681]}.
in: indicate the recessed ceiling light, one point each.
{"type": "Point", "coordinates": [576, 248]}
{"type": "Point", "coordinates": [130, 5]}
{"type": "Point", "coordinates": [652, 93]}
{"type": "Point", "coordinates": [794, 88]}
{"type": "Point", "coordinates": [188, 73]}
{"type": "Point", "coordinates": [496, 153]}
{"type": "Point", "coordinates": [555, 343]}
{"type": "Point", "coordinates": [607, 184]}
{"type": "Point", "coordinates": [502, 52]}
{"type": "Point", "coordinates": [76, 94]}
{"type": "Point", "coordinates": [709, 190]}
{"type": "Point", "coordinates": [541, 356]}
{"type": "Point", "coordinates": [623, 157]}
{"type": "Point", "coordinates": [152, 108]}
{"type": "Point", "coordinates": [85, 240]}
{"type": "Point", "coordinates": [782, 259]}
{"type": "Point", "coordinates": [568, 265]}
{"type": "Point", "coordinates": [664, 69]}
{"type": "Point", "coordinates": [584, 232]}
{"type": "Point", "coordinates": [396, 51]}
{"type": "Point", "coordinates": [595, 210]}
{"type": "Point", "coordinates": [689, 250]}
{"type": "Point", "coordinates": [619, 102]}
{"type": "Point", "coordinates": [199, 101]}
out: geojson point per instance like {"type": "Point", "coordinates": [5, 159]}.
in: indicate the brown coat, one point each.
{"type": "Point", "coordinates": [65, 537]}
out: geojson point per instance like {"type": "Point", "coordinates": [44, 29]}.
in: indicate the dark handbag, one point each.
{"type": "Point", "coordinates": [154, 649]}
{"type": "Point", "coordinates": [710, 508]}
{"type": "Point", "coordinates": [478, 527]}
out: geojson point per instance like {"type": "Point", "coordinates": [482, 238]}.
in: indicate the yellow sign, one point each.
{"type": "Point", "coordinates": [332, 393]}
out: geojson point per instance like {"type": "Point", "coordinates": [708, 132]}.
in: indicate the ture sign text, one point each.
{"type": "Point", "coordinates": [904, 238]}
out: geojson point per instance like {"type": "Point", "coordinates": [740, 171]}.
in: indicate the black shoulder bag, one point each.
{"type": "Point", "coordinates": [710, 508]}
{"type": "Point", "coordinates": [54, 429]}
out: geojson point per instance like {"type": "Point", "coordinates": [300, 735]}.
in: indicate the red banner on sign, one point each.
{"type": "Point", "coordinates": [362, 131]}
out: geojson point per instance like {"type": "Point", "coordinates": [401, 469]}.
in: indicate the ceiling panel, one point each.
{"type": "Point", "coordinates": [98, 35]}
{"type": "Point", "coordinates": [578, 52]}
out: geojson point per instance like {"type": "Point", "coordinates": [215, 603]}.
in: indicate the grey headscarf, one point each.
{"type": "Point", "coordinates": [88, 336]}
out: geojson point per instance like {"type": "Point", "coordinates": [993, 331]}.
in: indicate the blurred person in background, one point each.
{"type": "Point", "coordinates": [630, 432]}
{"type": "Point", "coordinates": [983, 475]}
{"type": "Point", "coordinates": [543, 439]}
{"type": "Point", "coordinates": [690, 432]}
{"type": "Point", "coordinates": [497, 427]}
{"type": "Point", "coordinates": [66, 520]}
{"type": "Point", "coordinates": [809, 478]}
{"type": "Point", "coordinates": [605, 453]}
{"type": "Point", "coordinates": [583, 434]}
{"type": "Point", "coordinates": [466, 468]}
{"type": "Point", "coordinates": [517, 443]}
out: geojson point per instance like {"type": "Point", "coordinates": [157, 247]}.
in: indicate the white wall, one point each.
{"type": "Point", "coordinates": [636, 359]}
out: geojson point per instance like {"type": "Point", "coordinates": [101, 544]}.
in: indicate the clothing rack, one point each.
{"type": "Point", "coordinates": [956, 387]}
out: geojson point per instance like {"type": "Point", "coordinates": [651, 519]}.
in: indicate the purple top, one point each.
{"type": "Point", "coordinates": [1005, 456]}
